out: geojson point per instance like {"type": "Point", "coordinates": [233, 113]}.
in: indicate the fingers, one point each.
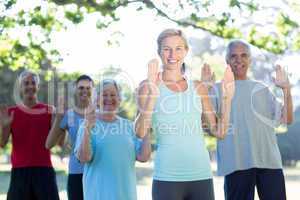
{"type": "Point", "coordinates": [61, 105]}
{"type": "Point", "coordinates": [206, 73]}
{"type": "Point", "coordinates": [228, 75]}
{"type": "Point", "coordinates": [206, 69]}
{"type": "Point", "coordinates": [214, 77]}
{"type": "Point", "coordinates": [3, 110]}
{"type": "Point", "coordinates": [61, 101]}
{"type": "Point", "coordinates": [153, 68]}
{"type": "Point", "coordinates": [90, 110]}
{"type": "Point", "coordinates": [159, 76]}
{"type": "Point", "coordinates": [278, 67]}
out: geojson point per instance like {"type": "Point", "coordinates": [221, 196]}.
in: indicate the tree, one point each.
{"type": "Point", "coordinates": [235, 18]}
{"type": "Point", "coordinates": [278, 34]}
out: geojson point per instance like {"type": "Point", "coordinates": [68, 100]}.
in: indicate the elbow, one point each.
{"type": "Point", "coordinates": [84, 158]}
{"type": "Point", "coordinates": [140, 133]}
{"type": "Point", "coordinates": [221, 136]}
{"type": "Point", "coordinates": [48, 145]}
{"type": "Point", "coordinates": [289, 121]}
{"type": "Point", "coordinates": [3, 143]}
{"type": "Point", "coordinates": [144, 158]}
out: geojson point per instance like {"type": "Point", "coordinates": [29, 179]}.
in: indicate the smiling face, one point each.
{"type": "Point", "coordinates": [109, 98]}
{"type": "Point", "coordinates": [84, 91]}
{"type": "Point", "coordinates": [239, 60]}
{"type": "Point", "coordinates": [173, 50]}
{"type": "Point", "coordinates": [29, 87]}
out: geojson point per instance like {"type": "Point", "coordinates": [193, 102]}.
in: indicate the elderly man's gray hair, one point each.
{"type": "Point", "coordinates": [26, 73]}
{"type": "Point", "coordinates": [232, 44]}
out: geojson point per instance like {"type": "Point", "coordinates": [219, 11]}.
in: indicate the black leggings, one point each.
{"type": "Point", "coordinates": [188, 190]}
{"type": "Point", "coordinates": [74, 187]}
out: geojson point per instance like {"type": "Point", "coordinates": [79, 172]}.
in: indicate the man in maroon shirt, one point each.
{"type": "Point", "coordinates": [32, 175]}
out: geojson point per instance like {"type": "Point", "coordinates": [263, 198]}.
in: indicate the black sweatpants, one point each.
{"type": "Point", "coordinates": [33, 183]}
{"type": "Point", "coordinates": [74, 187]}
{"type": "Point", "coordinates": [187, 190]}
{"type": "Point", "coordinates": [241, 184]}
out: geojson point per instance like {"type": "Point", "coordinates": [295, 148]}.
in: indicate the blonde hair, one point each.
{"type": "Point", "coordinates": [169, 33]}
{"type": "Point", "coordinates": [106, 82]}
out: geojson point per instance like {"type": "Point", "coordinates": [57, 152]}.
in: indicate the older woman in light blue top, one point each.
{"type": "Point", "coordinates": [109, 148]}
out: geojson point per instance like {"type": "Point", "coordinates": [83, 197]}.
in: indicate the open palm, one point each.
{"type": "Point", "coordinates": [154, 76]}
{"type": "Point", "coordinates": [281, 80]}
{"type": "Point", "coordinates": [207, 76]}
{"type": "Point", "coordinates": [228, 86]}
{"type": "Point", "coordinates": [5, 118]}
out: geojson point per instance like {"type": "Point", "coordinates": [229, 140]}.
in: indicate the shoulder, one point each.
{"type": "Point", "coordinates": [125, 121]}
{"type": "Point", "coordinates": [200, 87]}
{"type": "Point", "coordinates": [259, 86]}
{"type": "Point", "coordinates": [70, 112]}
{"type": "Point", "coordinates": [49, 108]}
{"type": "Point", "coordinates": [12, 108]}
{"type": "Point", "coordinates": [126, 124]}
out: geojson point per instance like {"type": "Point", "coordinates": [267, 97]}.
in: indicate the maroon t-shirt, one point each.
{"type": "Point", "coordinates": [30, 128]}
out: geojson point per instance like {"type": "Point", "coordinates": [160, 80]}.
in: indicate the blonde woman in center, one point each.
{"type": "Point", "coordinates": [172, 106]}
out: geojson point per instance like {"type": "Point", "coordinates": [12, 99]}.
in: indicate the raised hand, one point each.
{"type": "Point", "coordinates": [228, 86]}
{"type": "Point", "coordinates": [153, 76]}
{"type": "Point", "coordinates": [153, 71]}
{"type": "Point", "coordinates": [5, 117]}
{"type": "Point", "coordinates": [90, 116]}
{"type": "Point", "coordinates": [60, 109]}
{"type": "Point", "coordinates": [207, 76]}
{"type": "Point", "coordinates": [281, 79]}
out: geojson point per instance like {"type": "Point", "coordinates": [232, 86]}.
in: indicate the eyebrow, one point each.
{"type": "Point", "coordinates": [171, 47]}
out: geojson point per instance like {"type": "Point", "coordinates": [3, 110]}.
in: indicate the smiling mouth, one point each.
{"type": "Point", "coordinates": [30, 92]}
{"type": "Point", "coordinates": [172, 61]}
{"type": "Point", "coordinates": [239, 66]}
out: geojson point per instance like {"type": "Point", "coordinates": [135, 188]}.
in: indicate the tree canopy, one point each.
{"type": "Point", "coordinates": [26, 30]}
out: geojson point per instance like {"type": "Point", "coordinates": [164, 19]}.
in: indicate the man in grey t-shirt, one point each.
{"type": "Point", "coordinates": [249, 154]}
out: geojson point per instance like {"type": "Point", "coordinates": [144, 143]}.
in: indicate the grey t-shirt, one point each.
{"type": "Point", "coordinates": [251, 141]}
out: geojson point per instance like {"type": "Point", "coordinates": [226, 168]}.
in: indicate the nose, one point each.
{"type": "Point", "coordinates": [30, 85]}
{"type": "Point", "coordinates": [171, 53]}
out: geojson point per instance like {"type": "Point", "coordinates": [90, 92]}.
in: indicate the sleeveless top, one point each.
{"type": "Point", "coordinates": [176, 121]}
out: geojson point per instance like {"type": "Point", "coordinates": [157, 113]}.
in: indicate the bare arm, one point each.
{"type": "Point", "coordinates": [216, 125]}
{"type": "Point", "coordinates": [283, 82]}
{"type": "Point", "coordinates": [84, 153]}
{"type": "Point", "coordinates": [4, 136]}
{"type": "Point", "coordinates": [56, 133]}
{"type": "Point", "coordinates": [211, 122]}
{"type": "Point", "coordinates": [146, 103]}
{"type": "Point", "coordinates": [147, 94]}
{"type": "Point", "coordinates": [145, 152]}
{"type": "Point", "coordinates": [5, 125]}
{"type": "Point", "coordinates": [287, 110]}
